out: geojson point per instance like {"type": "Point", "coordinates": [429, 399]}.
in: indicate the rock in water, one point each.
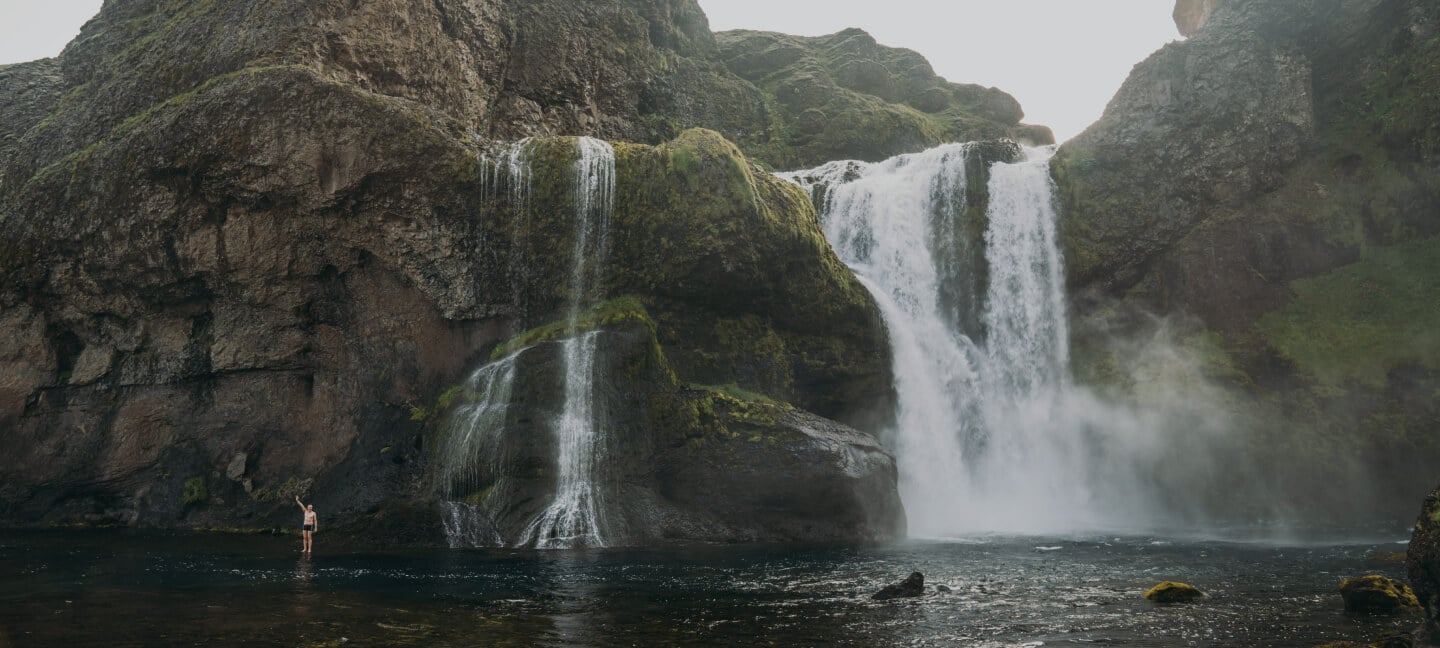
{"type": "Point", "coordinates": [1376, 594]}
{"type": "Point", "coordinates": [1173, 592]}
{"type": "Point", "coordinates": [908, 588]}
{"type": "Point", "coordinates": [942, 588]}
{"type": "Point", "coordinates": [1422, 564]}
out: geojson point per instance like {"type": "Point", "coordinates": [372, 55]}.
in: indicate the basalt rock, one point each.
{"type": "Point", "coordinates": [912, 586]}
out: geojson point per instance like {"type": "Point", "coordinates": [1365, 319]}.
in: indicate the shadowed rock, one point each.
{"type": "Point", "coordinates": [912, 586]}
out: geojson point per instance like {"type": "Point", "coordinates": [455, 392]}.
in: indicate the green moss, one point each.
{"type": "Point", "coordinates": [1376, 593]}
{"type": "Point", "coordinates": [195, 491]}
{"type": "Point", "coordinates": [734, 392]}
{"type": "Point", "coordinates": [1208, 349]}
{"type": "Point", "coordinates": [1362, 320]}
{"type": "Point", "coordinates": [607, 313]}
{"type": "Point", "coordinates": [821, 109]}
{"type": "Point", "coordinates": [1173, 592]}
{"type": "Point", "coordinates": [386, 450]}
{"type": "Point", "coordinates": [1399, 101]}
{"type": "Point", "coordinates": [285, 492]}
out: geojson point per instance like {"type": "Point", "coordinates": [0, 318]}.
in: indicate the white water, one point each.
{"type": "Point", "coordinates": [990, 436]}
{"type": "Point", "coordinates": [471, 446]}
{"type": "Point", "coordinates": [573, 519]}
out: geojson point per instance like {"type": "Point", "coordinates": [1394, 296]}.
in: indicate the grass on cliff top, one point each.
{"type": "Point", "coordinates": [611, 311]}
{"type": "Point", "coordinates": [1362, 320]}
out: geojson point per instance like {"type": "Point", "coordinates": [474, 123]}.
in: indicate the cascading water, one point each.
{"type": "Point", "coordinates": [990, 435]}
{"type": "Point", "coordinates": [472, 443]}
{"type": "Point", "coordinates": [574, 518]}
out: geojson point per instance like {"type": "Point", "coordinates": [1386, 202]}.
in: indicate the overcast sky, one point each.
{"type": "Point", "coordinates": [1063, 59]}
{"type": "Point", "coordinates": [35, 29]}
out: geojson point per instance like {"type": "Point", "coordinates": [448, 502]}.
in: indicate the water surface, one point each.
{"type": "Point", "coordinates": [138, 589]}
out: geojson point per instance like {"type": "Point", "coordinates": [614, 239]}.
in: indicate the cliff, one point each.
{"type": "Point", "coordinates": [1269, 187]}
{"type": "Point", "coordinates": [254, 249]}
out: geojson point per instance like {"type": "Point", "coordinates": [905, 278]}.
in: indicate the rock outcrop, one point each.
{"type": "Point", "coordinates": [844, 96]}
{"type": "Point", "coordinates": [911, 587]}
{"type": "Point", "coordinates": [1191, 15]}
{"type": "Point", "coordinates": [248, 262]}
{"type": "Point", "coordinates": [1376, 594]}
{"type": "Point", "coordinates": [1422, 566]}
{"type": "Point", "coordinates": [1269, 188]}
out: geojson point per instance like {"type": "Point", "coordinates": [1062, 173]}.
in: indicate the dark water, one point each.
{"type": "Point", "coordinates": [130, 589]}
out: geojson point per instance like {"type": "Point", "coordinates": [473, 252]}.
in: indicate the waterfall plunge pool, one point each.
{"type": "Point", "coordinates": [128, 588]}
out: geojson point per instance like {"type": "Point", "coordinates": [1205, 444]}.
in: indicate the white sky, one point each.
{"type": "Point", "coordinates": [1063, 59]}
{"type": "Point", "coordinates": [36, 29]}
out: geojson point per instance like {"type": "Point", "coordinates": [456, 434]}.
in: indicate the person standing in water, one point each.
{"type": "Point", "coordinates": [311, 524]}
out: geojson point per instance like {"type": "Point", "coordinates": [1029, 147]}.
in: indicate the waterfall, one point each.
{"type": "Point", "coordinates": [990, 434]}
{"type": "Point", "coordinates": [574, 517]}
{"type": "Point", "coordinates": [473, 437]}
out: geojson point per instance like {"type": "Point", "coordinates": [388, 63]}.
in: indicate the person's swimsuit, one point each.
{"type": "Point", "coordinates": [308, 527]}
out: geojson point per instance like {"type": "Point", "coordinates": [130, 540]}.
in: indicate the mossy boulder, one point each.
{"type": "Point", "coordinates": [1169, 592]}
{"type": "Point", "coordinates": [1376, 594]}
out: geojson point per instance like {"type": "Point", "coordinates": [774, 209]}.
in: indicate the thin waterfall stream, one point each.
{"type": "Point", "coordinates": [471, 447]}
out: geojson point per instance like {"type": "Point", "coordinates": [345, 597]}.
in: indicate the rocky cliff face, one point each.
{"type": "Point", "coordinates": [1270, 185]}
{"type": "Point", "coordinates": [1422, 565]}
{"type": "Point", "coordinates": [250, 246]}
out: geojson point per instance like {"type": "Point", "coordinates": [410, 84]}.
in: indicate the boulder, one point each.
{"type": "Point", "coordinates": [1376, 594]}
{"type": "Point", "coordinates": [1169, 592]}
{"type": "Point", "coordinates": [912, 586]}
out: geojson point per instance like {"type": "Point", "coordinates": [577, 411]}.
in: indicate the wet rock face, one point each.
{"type": "Point", "coordinates": [289, 259]}
{"type": "Point", "coordinates": [1422, 566]}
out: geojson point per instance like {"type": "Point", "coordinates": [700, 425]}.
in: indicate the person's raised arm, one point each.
{"type": "Point", "coordinates": [299, 503]}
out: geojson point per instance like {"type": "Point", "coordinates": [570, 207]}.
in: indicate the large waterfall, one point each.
{"type": "Point", "coordinates": [990, 434]}
{"type": "Point", "coordinates": [471, 446]}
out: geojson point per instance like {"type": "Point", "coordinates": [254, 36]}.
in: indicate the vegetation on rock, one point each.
{"type": "Point", "coordinates": [844, 96]}
{"type": "Point", "coordinates": [1173, 592]}
{"type": "Point", "coordinates": [1376, 594]}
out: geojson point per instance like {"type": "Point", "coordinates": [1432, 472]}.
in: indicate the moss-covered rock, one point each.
{"type": "Point", "coordinates": [678, 464]}
{"type": "Point", "coordinates": [844, 96]}
{"type": "Point", "coordinates": [1376, 594]}
{"type": "Point", "coordinates": [1169, 592]}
